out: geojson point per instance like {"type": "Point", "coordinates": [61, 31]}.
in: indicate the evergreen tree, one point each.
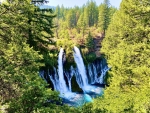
{"type": "Point", "coordinates": [71, 19]}
{"type": "Point", "coordinates": [77, 14]}
{"type": "Point", "coordinates": [127, 48]}
{"type": "Point", "coordinates": [90, 13]}
{"type": "Point", "coordinates": [21, 87]}
{"type": "Point", "coordinates": [62, 11]}
{"type": "Point", "coordinates": [40, 33]}
{"type": "Point", "coordinates": [89, 42]}
{"type": "Point", "coordinates": [81, 24]}
{"type": "Point", "coordinates": [103, 19]}
{"type": "Point", "coordinates": [93, 13]}
{"type": "Point", "coordinates": [86, 15]}
{"type": "Point", "coordinates": [57, 12]}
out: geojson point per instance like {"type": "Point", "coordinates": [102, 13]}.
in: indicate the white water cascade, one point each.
{"type": "Point", "coordinates": [81, 77]}
{"type": "Point", "coordinates": [80, 65]}
{"type": "Point", "coordinates": [62, 83]}
{"type": "Point", "coordinates": [69, 75]}
{"type": "Point", "coordinates": [86, 78]}
{"type": "Point", "coordinates": [97, 71]}
{"type": "Point", "coordinates": [58, 79]}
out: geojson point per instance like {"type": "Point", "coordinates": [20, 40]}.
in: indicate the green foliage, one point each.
{"type": "Point", "coordinates": [40, 32]}
{"type": "Point", "coordinates": [40, 20]}
{"type": "Point", "coordinates": [71, 19]}
{"type": "Point", "coordinates": [87, 108]}
{"type": "Point", "coordinates": [81, 24]}
{"type": "Point", "coordinates": [21, 87]}
{"type": "Point", "coordinates": [50, 59]}
{"type": "Point", "coordinates": [104, 16]}
{"type": "Point", "coordinates": [73, 26]}
{"type": "Point", "coordinates": [26, 39]}
{"type": "Point", "coordinates": [67, 45]}
{"type": "Point", "coordinates": [126, 47]}
{"type": "Point", "coordinates": [89, 43]}
{"type": "Point", "coordinates": [91, 13]}
{"type": "Point", "coordinates": [89, 58]}
{"type": "Point", "coordinates": [34, 97]}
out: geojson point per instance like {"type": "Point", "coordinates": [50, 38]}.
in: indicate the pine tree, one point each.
{"type": "Point", "coordinates": [81, 24]}
{"type": "Point", "coordinates": [86, 16]}
{"type": "Point", "coordinates": [90, 13]}
{"type": "Point", "coordinates": [40, 33]}
{"type": "Point", "coordinates": [71, 19]}
{"type": "Point", "coordinates": [127, 48]}
{"type": "Point", "coordinates": [103, 19]}
{"type": "Point", "coordinates": [57, 12]}
{"type": "Point", "coordinates": [21, 87]}
{"type": "Point", "coordinates": [15, 53]}
{"type": "Point", "coordinates": [89, 43]}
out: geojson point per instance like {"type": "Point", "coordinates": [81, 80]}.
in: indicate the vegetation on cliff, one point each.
{"type": "Point", "coordinates": [30, 38]}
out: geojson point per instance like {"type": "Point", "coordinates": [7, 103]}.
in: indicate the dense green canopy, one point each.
{"type": "Point", "coordinates": [127, 48]}
{"type": "Point", "coordinates": [30, 38]}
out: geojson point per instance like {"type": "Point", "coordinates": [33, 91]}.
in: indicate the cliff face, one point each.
{"type": "Point", "coordinates": [97, 42]}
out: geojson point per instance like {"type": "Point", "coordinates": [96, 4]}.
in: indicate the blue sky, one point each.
{"type": "Point", "coordinates": [72, 3]}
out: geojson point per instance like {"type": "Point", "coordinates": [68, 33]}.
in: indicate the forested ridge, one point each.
{"type": "Point", "coordinates": [30, 39]}
{"type": "Point", "coordinates": [80, 26]}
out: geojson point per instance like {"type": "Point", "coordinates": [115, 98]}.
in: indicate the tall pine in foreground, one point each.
{"type": "Point", "coordinates": [127, 48]}
{"type": "Point", "coordinates": [21, 87]}
{"type": "Point", "coordinates": [41, 32]}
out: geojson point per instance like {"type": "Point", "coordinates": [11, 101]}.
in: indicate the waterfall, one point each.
{"type": "Point", "coordinates": [104, 69]}
{"type": "Point", "coordinates": [62, 83]}
{"type": "Point", "coordinates": [41, 73]}
{"type": "Point", "coordinates": [57, 78]}
{"type": "Point", "coordinates": [81, 75]}
{"type": "Point", "coordinates": [81, 69]}
{"type": "Point", "coordinates": [69, 75]}
{"type": "Point", "coordinates": [86, 77]}
{"type": "Point", "coordinates": [97, 71]}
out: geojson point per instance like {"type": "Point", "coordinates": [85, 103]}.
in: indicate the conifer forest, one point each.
{"type": "Point", "coordinates": [89, 59]}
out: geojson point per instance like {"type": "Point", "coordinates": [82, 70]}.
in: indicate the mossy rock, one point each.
{"type": "Point", "coordinates": [75, 86]}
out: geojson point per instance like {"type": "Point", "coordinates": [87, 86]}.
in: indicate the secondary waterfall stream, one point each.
{"type": "Point", "coordinates": [86, 77]}
{"type": "Point", "coordinates": [82, 78]}
{"type": "Point", "coordinates": [62, 83]}
{"type": "Point", "coordinates": [58, 80]}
